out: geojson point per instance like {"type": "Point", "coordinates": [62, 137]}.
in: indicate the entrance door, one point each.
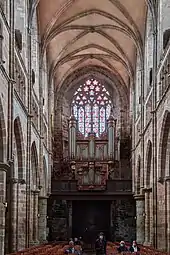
{"type": "Point", "coordinates": [89, 218]}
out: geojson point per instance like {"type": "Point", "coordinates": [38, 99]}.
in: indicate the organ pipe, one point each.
{"type": "Point", "coordinates": [111, 137]}
{"type": "Point", "coordinates": [72, 137]}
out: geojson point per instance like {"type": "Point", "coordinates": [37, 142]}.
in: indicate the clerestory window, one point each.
{"type": "Point", "coordinates": [91, 107]}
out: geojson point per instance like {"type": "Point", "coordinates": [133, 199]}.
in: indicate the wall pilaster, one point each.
{"type": "Point", "coordinates": [42, 220]}
{"type": "Point", "coordinates": [35, 217]}
{"type": "Point", "coordinates": [167, 185]}
{"type": "Point", "coordinates": [70, 211]}
{"type": "Point", "coordinates": [147, 216]}
{"type": "Point", "coordinates": [3, 205]}
{"type": "Point", "coordinates": [13, 214]}
{"type": "Point", "coordinates": [140, 218]}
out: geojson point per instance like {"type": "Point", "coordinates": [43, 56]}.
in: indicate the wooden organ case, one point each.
{"type": "Point", "coordinates": [90, 157]}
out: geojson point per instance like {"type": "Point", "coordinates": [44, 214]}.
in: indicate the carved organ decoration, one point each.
{"type": "Point", "coordinates": [92, 176]}
{"type": "Point", "coordinates": [72, 137]}
{"type": "Point", "coordinates": [91, 135]}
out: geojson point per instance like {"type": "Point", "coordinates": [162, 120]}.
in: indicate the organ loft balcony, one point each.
{"type": "Point", "coordinates": [93, 169]}
{"type": "Point", "coordinates": [98, 153]}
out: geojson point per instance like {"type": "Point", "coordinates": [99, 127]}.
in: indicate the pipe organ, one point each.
{"type": "Point", "coordinates": [91, 157]}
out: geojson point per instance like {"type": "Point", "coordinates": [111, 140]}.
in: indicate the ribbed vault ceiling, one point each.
{"type": "Point", "coordinates": [81, 33]}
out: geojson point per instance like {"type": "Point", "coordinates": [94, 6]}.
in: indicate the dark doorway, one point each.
{"type": "Point", "coordinates": [89, 218]}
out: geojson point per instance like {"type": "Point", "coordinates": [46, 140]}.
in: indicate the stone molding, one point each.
{"type": "Point", "coordinates": [14, 180]}
{"type": "Point", "coordinates": [36, 191]}
{"type": "Point", "coordinates": [43, 197]}
{"type": "Point", "coordinates": [147, 190]}
{"type": "Point", "coordinates": [139, 197]}
{"type": "Point", "coordinates": [21, 181]}
{"type": "Point", "coordinates": [161, 180]}
{"type": "Point", "coordinates": [4, 167]}
{"type": "Point", "coordinates": [167, 178]}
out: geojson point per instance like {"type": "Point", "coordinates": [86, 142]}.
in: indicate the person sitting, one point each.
{"type": "Point", "coordinates": [100, 245]}
{"type": "Point", "coordinates": [81, 240]}
{"type": "Point", "coordinates": [77, 241]}
{"type": "Point", "coordinates": [71, 249]}
{"type": "Point", "coordinates": [122, 247]}
{"type": "Point", "coordinates": [134, 248]}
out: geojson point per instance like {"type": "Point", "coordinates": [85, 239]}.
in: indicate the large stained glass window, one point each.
{"type": "Point", "coordinates": [91, 106]}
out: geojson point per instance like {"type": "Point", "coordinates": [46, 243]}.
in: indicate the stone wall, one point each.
{"type": "Point", "coordinates": [26, 110]}
{"type": "Point", "coordinates": [58, 219]}
{"type": "Point", "coordinates": [122, 216]}
{"type": "Point", "coordinates": [20, 103]}
{"type": "Point", "coordinates": [151, 142]}
{"type": "Point", "coordinates": [123, 220]}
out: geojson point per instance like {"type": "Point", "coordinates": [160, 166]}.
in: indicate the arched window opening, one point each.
{"type": "Point", "coordinates": [166, 37]}
{"type": "Point", "coordinates": [149, 164]}
{"type": "Point", "coordinates": [33, 77]}
{"type": "Point", "coordinates": [91, 107]}
{"type": "Point", "coordinates": [165, 145]}
{"type": "Point", "coordinates": [150, 77]}
{"type": "Point", "coordinates": [19, 147]}
{"type": "Point", "coordinates": [45, 181]}
{"type": "Point", "coordinates": [34, 164]}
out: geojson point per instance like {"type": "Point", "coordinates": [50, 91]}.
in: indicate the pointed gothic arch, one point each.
{"type": "Point", "coordinates": [164, 145]}
{"type": "Point", "coordinates": [91, 106]}
{"type": "Point", "coordinates": [34, 164]}
{"type": "Point", "coordinates": [148, 163]}
{"type": "Point", "coordinates": [19, 147]}
{"type": "Point", "coordinates": [45, 176]}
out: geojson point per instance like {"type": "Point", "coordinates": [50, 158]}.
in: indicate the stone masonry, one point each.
{"type": "Point", "coordinates": [45, 51]}
{"type": "Point", "coordinates": [21, 126]}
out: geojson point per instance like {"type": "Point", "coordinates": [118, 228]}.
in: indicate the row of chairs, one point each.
{"type": "Point", "coordinates": [39, 250]}
{"type": "Point", "coordinates": [58, 249]}
{"type": "Point", "coordinates": [144, 250]}
{"type": "Point", "coordinates": [51, 249]}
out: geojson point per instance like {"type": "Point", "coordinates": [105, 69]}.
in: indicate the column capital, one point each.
{"type": "Point", "coordinates": [14, 180]}
{"type": "Point", "coordinates": [43, 197]}
{"type": "Point", "coordinates": [48, 194]}
{"type": "Point", "coordinates": [4, 167]}
{"type": "Point", "coordinates": [36, 191]}
{"type": "Point", "coordinates": [139, 197]}
{"type": "Point", "coordinates": [147, 190]}
{"type": "Point", "coordinates": [167, 178]}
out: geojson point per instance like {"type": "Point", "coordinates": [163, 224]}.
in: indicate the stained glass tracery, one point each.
{"type": "Point", "coordinates": [91, 106]}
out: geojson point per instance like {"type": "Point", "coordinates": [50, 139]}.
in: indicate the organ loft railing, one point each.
{"type": "Point", "coordinates": [91, 160]}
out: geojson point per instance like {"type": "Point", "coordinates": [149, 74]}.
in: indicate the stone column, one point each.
{"type": "Point", "coordinates": [147, 217]}
{"type": "Point", "coordinates": [140, 218]}
{"type": "Point", "coordinates": [35, 216]}
{"type": "Point", "coordinates": [42, 220]}
{"type": "Point", "coordinates": [3, 205]}
{"type": "Point", "coordinates": [167, 180]}
{"type": "Point", "coordinates": [13, 213]}
{"type": "Point", "coordinates": [70, 211]}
